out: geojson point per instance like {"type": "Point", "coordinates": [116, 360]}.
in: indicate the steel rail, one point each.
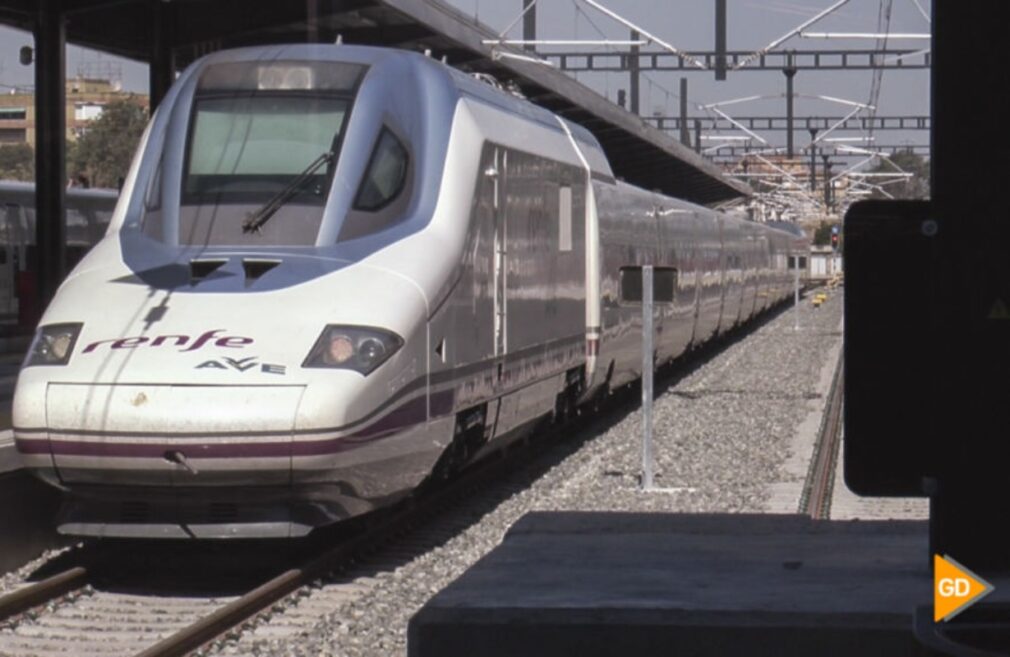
{"type": "Point", "coordinates": [819, 485]}
{"type": "Point", "coordinates": [246, 607]}
{"type": "Point", "coordinates": [39, 593]}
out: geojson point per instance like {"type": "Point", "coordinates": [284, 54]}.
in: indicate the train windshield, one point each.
{"type": "Point", "coordinates": [262, 147]}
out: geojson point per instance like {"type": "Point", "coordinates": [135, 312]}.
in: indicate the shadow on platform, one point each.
{"type": "Point", "coordinates": [592, 584]}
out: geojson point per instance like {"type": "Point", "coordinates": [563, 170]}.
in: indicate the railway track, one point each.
{"type": "Point", "coordinates": [819, 485]}
{"type": "Point", "coordinates": [88, 609]}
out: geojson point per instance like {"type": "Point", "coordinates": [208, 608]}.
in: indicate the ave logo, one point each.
{"type": "Point", "coordinates": [241, 365]}
{"type": "Point", "coordinates": [955, 588]}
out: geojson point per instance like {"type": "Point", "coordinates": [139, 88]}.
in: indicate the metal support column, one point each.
{"type": "Point", "coordinates": [827, 180]}
{"type": "Point", "coordinates": [720, 39]}
{"type": "Point", "coordinates": [685, 136]}
{"type": "Point", "coordinates": [813, 159]}
{"type": "Point", "coordinates": [529, 24]}
{"type": "Point", "coordinates": [790, 72]}
{"type": "Point", "coordinates": [50, 151]}
{"type": "Point", "coordinates": [633, 65]}
{"type": "Point", "coordinates": [161, 70]}
{"type": "Point", "coordinates": [697, 136]}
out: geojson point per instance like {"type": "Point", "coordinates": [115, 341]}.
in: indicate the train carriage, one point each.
{"type": "Point", "coordinates": [337, 271]}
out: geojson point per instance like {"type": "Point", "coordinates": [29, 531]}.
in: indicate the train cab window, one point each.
{"type": "Point", "coordinates": [263, 140]}
{"type": "Point", "coordinates": [664, 284]}
{"type": "Point", "coordinates": [386, 173]}
{"type": "Point", "coordinates": [380, 201]}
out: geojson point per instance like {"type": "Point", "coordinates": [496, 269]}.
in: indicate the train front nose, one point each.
{"type": "Point", "coordinates": [172, 461]}
{"type": "Point", "coordinates": [172, 435]}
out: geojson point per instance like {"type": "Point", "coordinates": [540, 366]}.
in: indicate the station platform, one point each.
{"type": "Point", "coordinates": [594, 584]}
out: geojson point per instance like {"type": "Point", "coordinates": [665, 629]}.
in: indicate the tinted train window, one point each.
{"type": "Point", "coordinates": [263, 140]}
{"type": "Point", "coordinates": [664, 284]}
{"type": "Point", "coordinates": [387, 170]}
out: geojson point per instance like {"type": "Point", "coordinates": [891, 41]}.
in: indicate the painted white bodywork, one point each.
{"type": "Point", "coordinates": [282, 447]}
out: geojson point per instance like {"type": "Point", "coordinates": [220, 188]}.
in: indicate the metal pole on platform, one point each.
{"type": "Point", "coordinates": [647, 364]}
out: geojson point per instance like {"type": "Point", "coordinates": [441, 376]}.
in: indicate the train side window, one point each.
{"type": "Point", "coordinates": [631, 284]}
{"type": "Point", "coordinates": [793, 262]}
{"type": "Point", "coordinates": [664, 284]}
{"type": "Point", "coordinates": [386, 173]}
{"type": "Point", "coordinates": [565, 218]}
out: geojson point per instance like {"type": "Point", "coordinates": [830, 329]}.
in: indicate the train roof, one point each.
{"type": "Point", "coordinates": [637, 151]}
{"type": "Point", "coordinates": [393, 62]}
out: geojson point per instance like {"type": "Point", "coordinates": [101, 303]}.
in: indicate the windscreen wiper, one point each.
{"type": "Point", "coordinates": [255, 220]}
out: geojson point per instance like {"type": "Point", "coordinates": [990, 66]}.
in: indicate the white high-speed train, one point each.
{"type": "Point", "coordinates": [334, 271]}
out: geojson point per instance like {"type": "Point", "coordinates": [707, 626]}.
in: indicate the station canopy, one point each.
{"type": "Point", "coordinates": [639, 153]}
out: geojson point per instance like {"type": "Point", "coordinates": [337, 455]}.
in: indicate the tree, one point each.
{"type": "Point", "coordinates": [17, 162]}
{"type": "Point", "coordinates": [103, 153]}
{"type": "Point", "coordinates": [915, 187]}
{"type": "Point", "coordinates": [822, 235]}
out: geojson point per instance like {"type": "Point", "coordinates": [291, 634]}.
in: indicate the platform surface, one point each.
{"type": "Point", "coordinates": [676, 584]}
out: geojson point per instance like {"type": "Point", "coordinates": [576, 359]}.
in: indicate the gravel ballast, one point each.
{"type": "Point", "coordinates": [724, 434]}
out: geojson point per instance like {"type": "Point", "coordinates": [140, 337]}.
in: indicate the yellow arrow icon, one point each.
{"type": "Point", "coordinates": [955, 588]}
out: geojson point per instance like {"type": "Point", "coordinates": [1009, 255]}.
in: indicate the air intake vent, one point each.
{"type": "Point", "coordinates": [220, 512]}
{"type": "Point", "coordinates": [256, 268]}
{"type": "Point", "coordinates": [201, 269]}
{"type": "Point", "coordinates": [134, 512]}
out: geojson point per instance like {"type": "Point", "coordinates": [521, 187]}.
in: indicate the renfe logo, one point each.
{"type": "Point", "coordinates": [231, 342]}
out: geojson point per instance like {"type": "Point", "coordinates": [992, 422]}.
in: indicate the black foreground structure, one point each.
{"type": "Point", "coordinates": [170, 35]}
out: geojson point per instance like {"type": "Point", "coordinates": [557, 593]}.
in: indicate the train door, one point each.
{"type": "Point", "coordinates": [680, 251]}
{"type": "Point", "coordinates": [765, 279]}
{"type": "Point", "coordinates": [497, 174]}
{"type": "Point", "coordinates": [499, 264]}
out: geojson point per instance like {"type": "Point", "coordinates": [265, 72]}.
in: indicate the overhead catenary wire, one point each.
{"type": "Point", "coordinates": [788, 35]}
{"type": "Point", "coordinates": [922, 11]}
{"type": "Point", "coordinates": [883, 26]}
{"type": "Point", "coordinates": [649, 35]}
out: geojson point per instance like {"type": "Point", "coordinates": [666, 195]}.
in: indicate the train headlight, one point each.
{"type": "Point", "coordinates": [357, 348]}
{"type": "Point", "coordinates": [53, 344]}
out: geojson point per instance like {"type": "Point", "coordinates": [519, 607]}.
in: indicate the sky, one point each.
{"type": "Point", "coordinates": [685, 24]}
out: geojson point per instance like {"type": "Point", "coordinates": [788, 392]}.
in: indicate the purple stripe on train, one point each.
{"type": "Point", "coordinates": [410, 414]}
